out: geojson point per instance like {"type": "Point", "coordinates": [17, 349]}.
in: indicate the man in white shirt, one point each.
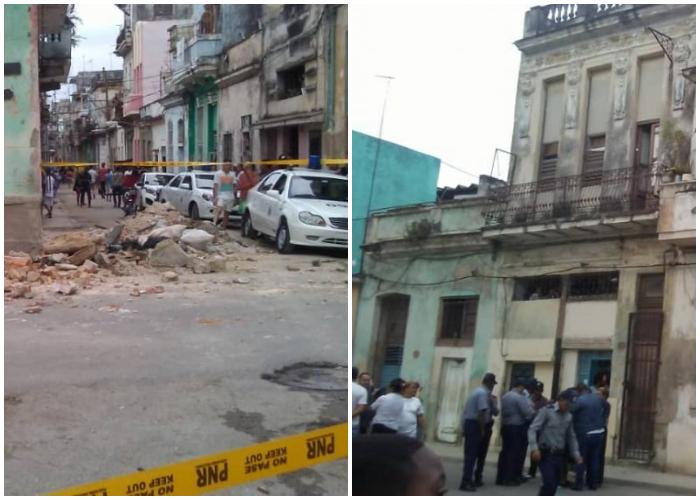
{"type": "Point", "coordinates": [388, 409]}
{"type": "Point", "coordinates": [359, 402]}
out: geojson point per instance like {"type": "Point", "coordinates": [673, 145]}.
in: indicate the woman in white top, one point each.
{"type": "Point", "coordinates": [388, 409]}
{"type": "Point", "coordinates": [412, 418]}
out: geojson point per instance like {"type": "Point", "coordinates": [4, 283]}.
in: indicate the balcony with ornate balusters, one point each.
{"type": "Point", "coordinates": [615, 202]}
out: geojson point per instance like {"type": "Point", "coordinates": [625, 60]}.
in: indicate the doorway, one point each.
{"type": "Point", "coordinates": [594, 367]}
{"type": "Point", "coordinates": [451, 393]}
{"type": "Point", "coordinates": [391, 334]}
{"type": "Point", "coordinates": [643, 358]}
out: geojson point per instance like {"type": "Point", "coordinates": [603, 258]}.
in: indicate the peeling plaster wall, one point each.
{"type": "Point", "coordinates": [22, 176]}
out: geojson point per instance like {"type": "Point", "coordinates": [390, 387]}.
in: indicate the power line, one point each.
{"type": "Point", "coordinates": [447, 164]}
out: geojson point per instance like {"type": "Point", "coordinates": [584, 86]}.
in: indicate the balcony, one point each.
{"type": "Point", "coordinates": [55, 58]}
{"type": "Point", "coordinates": [546, 18]}
{"type": "Point", "coordinates": [124, 42]}
{"type": "Point", "coordinates": [613, 203]}
{"type": "Point", "coordinates": [677, 213]}
{"type": "Point", "coordinates": [199, 59]}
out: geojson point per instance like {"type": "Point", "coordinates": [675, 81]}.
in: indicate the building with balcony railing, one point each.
{"type": "Point", "coordinates": [580, 268]}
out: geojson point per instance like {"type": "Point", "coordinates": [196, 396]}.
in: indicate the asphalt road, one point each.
{"type": "Point", "coordinates": [102, 383]}
{"type": "Point", "coordinates": [453, 470]}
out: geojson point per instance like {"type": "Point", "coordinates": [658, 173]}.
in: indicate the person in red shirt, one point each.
{"type": "Point", "coordinates": [130, 179]}
{"type": "Point", "coordinates": [247, 179]}
{"type": "Point", "coordinates": [101, 180]}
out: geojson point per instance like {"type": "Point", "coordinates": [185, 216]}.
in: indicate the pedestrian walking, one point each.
{"type": "Point", "coordinates": [485, 442]}
{"type": "Point", "coordinates": [395, 465]}
{"type": "Point", "coordinates": [117, 193]}
{"type": "Point", "coordinates": [49, 192]}
{"type": "Point", "coordinates": [549, 435]}
{"type": "Point", "coordinates": [247, 179]}
{"type": "Point", "coordinates": [476, 416]}
{"type": "Point", "coordinates": [538, 402]}
{"type": "Point", "coordinates": [412, 422]}
{"type": "Point", "coordinates": [388, 409]}
{"type": "Point", "coordinates": [516, 414]}
{"type": "Point", "coordinates": [108, 184]}
{"type": "Point", "coordinates": [224, 193]}
{"type": "Point", "coordinates": [359, 402]}
{"type": "Point", "coordinates": [365, 380]}
{"type": "Point", "coordinates": [102, 181]}
{"type": "Point", "coordinates": [82, 188]}
{"type": "Point", "coordinates": [589, 412]}
{"type": "Point", "coordinates": [93, 180]}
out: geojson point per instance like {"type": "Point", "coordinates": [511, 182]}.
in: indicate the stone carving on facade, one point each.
{"type": "Point", "coordinates": [573, 77]}
{"type": "Point", "coordinates": [620, 97]}
{"type": "Point", "coordinates": [527, 87]}
{"type": "Point", "coordinates": [681, 53]}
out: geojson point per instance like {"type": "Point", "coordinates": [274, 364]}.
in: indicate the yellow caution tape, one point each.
{"type": "Point", "coordinates": [329, 162]}
{"type": "Point", "coordinates": [226, 469]}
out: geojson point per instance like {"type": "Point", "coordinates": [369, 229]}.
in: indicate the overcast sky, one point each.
{"type": "Point", "coordinates": [99, 28]}
{"type": "Point", "coordinates": [456, 72]}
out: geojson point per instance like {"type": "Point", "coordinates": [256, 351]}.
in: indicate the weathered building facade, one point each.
{"type": "Point", "coordinates": [583, 265]}
{"type": "Point", "coordinates": [37, 59]}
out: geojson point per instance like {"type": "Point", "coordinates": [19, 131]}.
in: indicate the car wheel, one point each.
{"type": "Point", "coordinates": [282, 239]}
{"type": "Point", "coordinates": [247, 229]}
{"type": "Point", "coordinates": [193, 212]}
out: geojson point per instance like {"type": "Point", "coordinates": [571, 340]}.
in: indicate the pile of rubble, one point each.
{"type": "Point", "coordinates": [157, 240]}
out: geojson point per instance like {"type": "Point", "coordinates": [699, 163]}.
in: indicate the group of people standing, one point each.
{"type": "Point", "coordinates": [575, 426]}
{"type": "Point", "coordinates": [396, 409]}
{"type": "Point", "coordinates": [108, 183]}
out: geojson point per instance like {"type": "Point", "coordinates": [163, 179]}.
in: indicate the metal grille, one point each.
{"type": "Point", "coordinates": [393, 355]}
{"type": "Point", "coordinates": [639, 407]}
{"type": "Point", "coordinates": [622, 191]}
{"type": "Point", "coordinates": [339, 222]}
{"type": "Point", "coordinates": [336, 241]}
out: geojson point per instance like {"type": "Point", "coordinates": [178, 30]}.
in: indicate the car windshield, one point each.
{"type": "Point", "coordinates": [205, 181]}
{"type": "Point", "coordinates": [319, 188]}
{"type": "Point", "coordinates": [159, 179]}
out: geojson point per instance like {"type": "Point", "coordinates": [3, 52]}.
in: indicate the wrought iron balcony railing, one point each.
{"type": "Point", "coordinates": [618, 192]}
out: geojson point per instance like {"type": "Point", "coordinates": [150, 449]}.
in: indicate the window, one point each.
{"type": "Point", "coordinates": [537, 288]}
{"type": "Point", "coordinates": [279, 185]}
{"type": "Point", "coordinates": [246, 122]}
{"type": "Point", "coordinates": [268, 182]}
{"type": "Point", "coordinates": [650, 98]}
{"type": "Point", "coordinates": [186, 183]}
{"type": "Point", "coordinates": [162, 10]}
{"type": "Point", "coordinates": [319, 188]}
{"type": "Point", "coordinates": [176, 181]}
{"type": "Point", "coordinates": [647, 144]}
{"type": "Point", "coordinates": [228, 147]}
{"type": "Point", "coordinates": [180, 132]}
{"type": "Point", "coordinates": [458, 320]}
{"type": "Point", "coordinates": [315, 142]}
{"type": "Point", "coordinates": [290, 82]}
{"type": "Point", "coordinates": [553, 121]}
{"type": "Point", "coordinates": [245, 148]}
{"type": "Point", "coordinates": [596, 126]}
{"type": "Point", "coordinates": [520, 372]}
{"type": "Point", "coordinates": [599, 286]}
{"type": "Point", "coordinates": [205, 181]}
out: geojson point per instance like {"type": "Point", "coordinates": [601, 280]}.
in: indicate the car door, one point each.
{"type": "Point", "coordinates": [185, 194]}
{"type": "Point", "coordinates": [276, 201]}
{"type": "Point", "coordinates": [261, 204]}
{"type": "Point", "coordinates": [170, 191]}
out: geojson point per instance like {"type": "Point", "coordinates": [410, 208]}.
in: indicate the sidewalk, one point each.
{"type": "Point", "coordinates": [623, 474]}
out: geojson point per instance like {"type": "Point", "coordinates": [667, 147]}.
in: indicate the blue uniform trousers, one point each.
{"type": "Point", "coordinates": [472, 443]}
{"type": "Point", "coordinates": [551, 465]}
{"type": "Point", "coordinates": [590, 446]}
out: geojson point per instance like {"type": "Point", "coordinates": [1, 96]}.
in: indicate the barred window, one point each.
{"type": "Point", "coordinates": [537, 288]}
{"type": "Point", "coordinates": [458, 320]}
{"type": "Point", "coordinates": [599, 286]}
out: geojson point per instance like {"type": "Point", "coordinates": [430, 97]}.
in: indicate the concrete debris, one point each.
{"type": "Point", "coordinates": [66, 267]}
{"type": "Point", "coordinates": [242, 281]}
{"type": "Point", "coordinates": [105, 260]}
{"type": "Point", "coordinates": [196, 238]}
{"type": "Point", "coordinates": [17, 260]}
{"type": "Point", "coordinates": [69, 243]}
{"type": "Point", "coordinates": [155, 289]}
{"type": "Point", "coordinates": [316, 263]}
{"type": "Point", "coordinates": [56, 258]}
{"type": "Point", "coordinates": [135, 292]}
{"type": "Point", "coordinates": [89, 267]}
{"type": "Point", "coordinates": [201, 266]}
{"type": "Point", "coordinates": [207, 226]}
{"type": "Point", "coordinates": [33, 276]}
{"type": "Point", "coordinates": [293, 268]}
{"type": "Point", "coordinates": [217, 264]}
{"type": "Point", "coordinates": [169, 276]}
{"type": "Point", "coordinates": [65, 288]}
{"type": "Point", "coordinates": [167, 253]}
{"type": "Point", "coordinates": [20, 290]}
{"type": "Point", "coordinates": [16, 273]}
{"type": "Point", "coordinates": [33, 309]}
{"type": "Point", "coordinates": [113, 236]}
{"type": "Point", "coordinates": [83, 254]}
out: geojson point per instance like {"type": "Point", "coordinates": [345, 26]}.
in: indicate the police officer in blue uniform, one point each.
{"type": "Point", "coordinates": [549, 435]}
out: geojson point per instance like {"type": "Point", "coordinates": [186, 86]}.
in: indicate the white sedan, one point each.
{"type": "Point", "coordinates": [299, 207]}
{"type": "Point", "coordinates": [191, 193]}
{"type": "Point", "coordinates": [149, 186]}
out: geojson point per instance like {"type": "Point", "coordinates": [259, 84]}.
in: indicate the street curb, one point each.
{"type": "Point", "coordinates": [682, 490]}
